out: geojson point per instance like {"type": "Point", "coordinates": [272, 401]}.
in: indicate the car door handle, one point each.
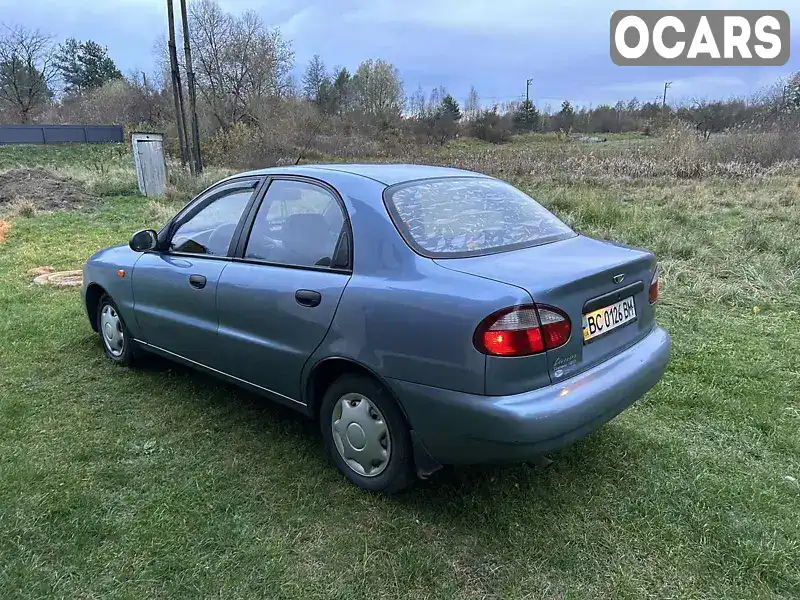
{"type": "Point", "coordinates": [197, 281]}
{"type": "Point", "coordinates": [308, 297]}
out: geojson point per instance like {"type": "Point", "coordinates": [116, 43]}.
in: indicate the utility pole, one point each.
{"type": "Point", "coordinates": [197, 161]}
{"type": "Point", "coordinates": [667, 85]}
{"type": "Point", "coordinates": [177, 89]}
{"type": "Point", "coordinates": [528, 91]}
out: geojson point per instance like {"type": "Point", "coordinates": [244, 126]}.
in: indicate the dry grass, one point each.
{"type": "Point", "coordinates": [24, 207]}
{"type": "Point", "coordinates": [679, 154]}
{"type": "Point", "coordinates": [183, 186]}
{"type": "Point", "coordinates": [21, 207]}
{"type": "Point", "coordinates": [159, 212]}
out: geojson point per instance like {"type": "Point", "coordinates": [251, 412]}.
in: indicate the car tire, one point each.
{"type": "Point", "coordinates": [362, 425]}
{"type": "Point", "coordinates": [114, 335]}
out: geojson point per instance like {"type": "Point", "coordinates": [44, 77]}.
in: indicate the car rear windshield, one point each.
{"type": "Point", "coordinates": [469, 216]}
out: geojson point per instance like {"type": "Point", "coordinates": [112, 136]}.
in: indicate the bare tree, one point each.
{"type": "Point", "coordinates": [240, 62]}
{"type": "Point", "coordinates": [709, 117]}
{"type": "Point", "coordinates": [379, 89]}
{"type": "Point", "coordinates": [133, 101]}
{"type": "Point", "coordinates": [416, 103]}
{"type": "Point", "coordinates": [27, 70]}
{"type": "Point", "coordinates": [435, 100]}
{"type": "Point", "coordinates": [473, 104]}
{"type": "Point", "coordinates": [792, 92]}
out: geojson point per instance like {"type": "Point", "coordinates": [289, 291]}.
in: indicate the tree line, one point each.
{"type": "Point", "coordinates": [246, 82]}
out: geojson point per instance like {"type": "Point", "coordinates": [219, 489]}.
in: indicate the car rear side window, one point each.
{"type": "Point", "coordinates": [470, 216]}
{"type": "Point", "coordinates": [298, 223]}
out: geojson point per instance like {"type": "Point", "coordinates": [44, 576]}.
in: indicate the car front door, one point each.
{"type": "Point", "coordinates": [174, 289]}
{"type": "Point", "coordinates": [276, 300]}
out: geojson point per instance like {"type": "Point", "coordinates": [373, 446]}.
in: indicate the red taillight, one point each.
{"type": "Point", "coordinates": [655, 286]}
{"type": "Point", "coordinates": [555, 326]}
{"type": "Point", "coordinates": [522, 331]}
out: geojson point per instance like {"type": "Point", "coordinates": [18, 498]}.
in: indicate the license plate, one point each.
{"type": "Point", "coordinates": [603, 320]}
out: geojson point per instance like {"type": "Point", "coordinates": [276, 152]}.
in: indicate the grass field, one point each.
{"type": "Point", "coordinates": [164, 483]}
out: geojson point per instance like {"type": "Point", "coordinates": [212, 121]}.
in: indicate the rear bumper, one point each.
{"type": "Point", "coordinates": [459, 428]}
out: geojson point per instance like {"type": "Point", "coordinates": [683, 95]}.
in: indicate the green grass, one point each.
{"type": "Point", "coordinates": [57, 155]}
{"type": "Point", "coordinates": [164, 483]}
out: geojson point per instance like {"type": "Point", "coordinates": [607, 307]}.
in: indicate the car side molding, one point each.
{"type": "Point", "coordinates": [194, 363]}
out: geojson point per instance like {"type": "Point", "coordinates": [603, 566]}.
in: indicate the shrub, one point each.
{"type": "Point", "coordinates": [491, 127]}
{"type": "Point", "coordinates": [158, 213]}
{"type": "Point", "coordinates": [118, 102]}
{"type": "Point", "coordinates": [526, 117]}
{"type": "Point", "coordinates": [238, 145]}
{"type": "Point", "coordinates": [23, 207]}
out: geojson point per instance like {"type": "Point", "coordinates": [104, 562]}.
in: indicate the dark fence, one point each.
{"type": "Point", "coordinates": [60, 134]}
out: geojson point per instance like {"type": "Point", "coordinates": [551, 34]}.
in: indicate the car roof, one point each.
{"type": "Point", "coordinates": [387, 174]}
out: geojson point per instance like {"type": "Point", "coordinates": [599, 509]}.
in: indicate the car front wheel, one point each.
{"type": "Point", "coordinates": [117, 342]}
{"type": "Point", "coordinates": [366, 435]}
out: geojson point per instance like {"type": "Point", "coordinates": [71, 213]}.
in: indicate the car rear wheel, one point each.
{"type": "Point", "coordinates": [117, 341]}
{"type": "Point", "coordinates": [366, 435]}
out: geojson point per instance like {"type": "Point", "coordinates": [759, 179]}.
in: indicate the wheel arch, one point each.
{"type": "Point", "coordinates": [93, 294]}
{"type": "Point", "coordinates": [328, 370]}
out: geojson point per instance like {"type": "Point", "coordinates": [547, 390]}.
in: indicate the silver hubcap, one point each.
{"type": "Point", "coordinates": [361, 435]}
{"type": "Point", "coordinates": [111, 329]}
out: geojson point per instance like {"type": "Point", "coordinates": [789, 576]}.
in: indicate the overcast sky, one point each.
{"type": "Point", "coordinates": [494, 45]}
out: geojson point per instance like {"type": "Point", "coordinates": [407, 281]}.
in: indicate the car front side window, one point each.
{"type": "Point", "coordinates": [298, 224]}
{"type": "Point", "coordinates": [211, 230]}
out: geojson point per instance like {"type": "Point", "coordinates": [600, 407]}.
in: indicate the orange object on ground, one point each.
{"type": "Point", "coordinates": [5, 227]}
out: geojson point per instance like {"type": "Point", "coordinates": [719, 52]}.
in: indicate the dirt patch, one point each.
{"type": "Point", "coordinates": [60, 278]}
{"type": "Point", "coordinates": [43, 189]}
{"type": "Point", "coordinates": [41, 271]}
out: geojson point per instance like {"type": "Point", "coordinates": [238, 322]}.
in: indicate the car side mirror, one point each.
{"type": "Point", "coordinates": [144, 240]}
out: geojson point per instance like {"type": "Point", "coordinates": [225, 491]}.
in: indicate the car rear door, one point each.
{"type": "Point", "coordinates": [277, 298]}
{"type": "Point", "coordinates": [174, 289]}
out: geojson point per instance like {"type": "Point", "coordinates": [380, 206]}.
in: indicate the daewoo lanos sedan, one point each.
{"type": "Point", "coordinates": [423, 315]}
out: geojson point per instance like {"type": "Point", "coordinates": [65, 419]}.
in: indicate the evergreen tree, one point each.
{"type": "Point", "coordinates": [342, 92]}
{"type": "Point", "coordinates": [85, 65]}
{"type": "Point", "coordinates": [566, 116]}
{"type": "Point", "coordinates": [450, 108]}
{"type": "Point", "coordinates": [526, 117]}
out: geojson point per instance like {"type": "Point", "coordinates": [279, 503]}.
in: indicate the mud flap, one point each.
{"type": "Point", "coordinates": [540, 461]}
{"type": "Point", "coordinates": [424, 463]}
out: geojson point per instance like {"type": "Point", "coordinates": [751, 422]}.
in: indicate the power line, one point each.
{"type": "Point", "coordinates": [511, 97]}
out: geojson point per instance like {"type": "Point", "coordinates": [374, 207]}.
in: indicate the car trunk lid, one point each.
{"type": "Point", "coordinates": [576, 275]}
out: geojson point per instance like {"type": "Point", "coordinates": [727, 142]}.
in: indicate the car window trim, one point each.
{"type": "Point", "coordinates": [255, 206]}
{"type": "Point", "coordinates": [203, 200]}
{"type": "Point", "coordinates": [201, 197]}
{"type": "Point", "coordinates": [268, 263]}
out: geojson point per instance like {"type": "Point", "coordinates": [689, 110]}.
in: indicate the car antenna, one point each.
{"type": "Point", "coordinates": [313, 135]}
